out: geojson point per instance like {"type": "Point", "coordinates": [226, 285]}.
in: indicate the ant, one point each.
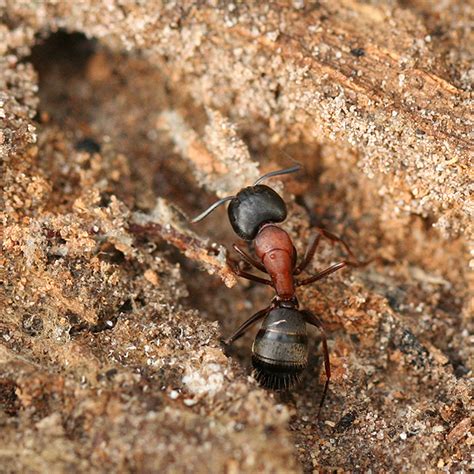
{"type": "Point", "coordinates": [280, 349]}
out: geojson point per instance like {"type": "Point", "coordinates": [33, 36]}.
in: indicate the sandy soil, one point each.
{"type": "Point", "coordinates": [118, 122]}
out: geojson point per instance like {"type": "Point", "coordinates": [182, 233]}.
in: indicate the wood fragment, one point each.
{"type": "Point", "coordinates": [459, 431]}
{"type": "Point", "coordinates": [168, 224]}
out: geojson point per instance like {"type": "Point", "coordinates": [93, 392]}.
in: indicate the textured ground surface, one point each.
{"type": "Point", "coordinates": [112, 307]}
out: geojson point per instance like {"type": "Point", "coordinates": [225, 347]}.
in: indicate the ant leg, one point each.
{"type": "Point", "coordinates": [237, 271]}
{"type": "Point", "coordinates": [308, 255]}
{"type": "Point", "coordinates": [250, 260]}
{"type": "Point", "coordinates": [315, 321]}
{"type": "Point", "coordinates": [335, 239]}
{"type": "Point", "coordinates": [325, 273]}
{"type": "Point", "coordinates": [311, 250]}
{"type": "Point", "coordinates": [249, 323]}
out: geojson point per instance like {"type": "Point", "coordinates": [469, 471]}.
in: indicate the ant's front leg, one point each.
{"type": "Point", "coordinates": [335, 239]}
{"type": "Point", "coordinates": [313, 245]}
{"type": "Point", "coordinates": [308, 255]}
{"type": "Point", "coordinates": [250, 260]}
{"type": "Point", "coordinates": [234, 266]}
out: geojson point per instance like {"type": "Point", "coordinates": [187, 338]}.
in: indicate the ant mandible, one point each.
{"type": "Point", "coordinates": [280, 349]}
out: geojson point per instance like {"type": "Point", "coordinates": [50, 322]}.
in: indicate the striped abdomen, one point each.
{"type": "Point", "coordinates": [280, 350]}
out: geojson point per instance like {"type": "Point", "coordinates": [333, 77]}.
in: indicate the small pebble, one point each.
{"type": "Point", "coordinates": [174, 394]}
{"type": "Point", "coordinates": [189, 402]}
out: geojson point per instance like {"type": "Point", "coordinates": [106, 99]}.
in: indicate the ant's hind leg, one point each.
{"type": "Point", "coordinates": [315, 321]}
{"type": "Point", "coordinates": [248, 324]}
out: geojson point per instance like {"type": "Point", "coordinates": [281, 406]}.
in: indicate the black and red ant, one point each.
{"type": "Point", "coordinates": [280, 349]}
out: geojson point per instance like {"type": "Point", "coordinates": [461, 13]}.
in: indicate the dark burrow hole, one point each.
{"type": "Point", "coordinates": [100, 102]}
{"type": "Point", "coordinates": [72, 49]}
{"type": "Point", "coordinates": [60, 58]}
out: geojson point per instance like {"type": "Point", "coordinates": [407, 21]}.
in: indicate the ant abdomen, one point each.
{"type": "Point", "coordinates": [280, 350]}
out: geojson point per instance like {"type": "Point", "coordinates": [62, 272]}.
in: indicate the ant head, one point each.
{"type": "Point", "coordinates": [253, 207]}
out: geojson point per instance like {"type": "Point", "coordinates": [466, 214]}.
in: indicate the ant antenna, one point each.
{"type": "Point", "coordinates": [293, 169]}
{"type": "Point", "coordinates": [211, 208]}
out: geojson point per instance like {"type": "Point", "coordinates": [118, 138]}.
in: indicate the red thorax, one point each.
{"type": "Point", "coordinates": [274, 248]}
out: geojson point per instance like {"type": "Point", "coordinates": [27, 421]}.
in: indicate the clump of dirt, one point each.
{"type": "Point", "coordinates": [113, 305]}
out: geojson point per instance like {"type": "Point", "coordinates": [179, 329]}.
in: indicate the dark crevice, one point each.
{"type": "Point", "coordinates": [68, 52]}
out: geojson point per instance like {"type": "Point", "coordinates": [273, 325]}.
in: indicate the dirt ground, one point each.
{"type": "Point", "coordinates": [120, 121]}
